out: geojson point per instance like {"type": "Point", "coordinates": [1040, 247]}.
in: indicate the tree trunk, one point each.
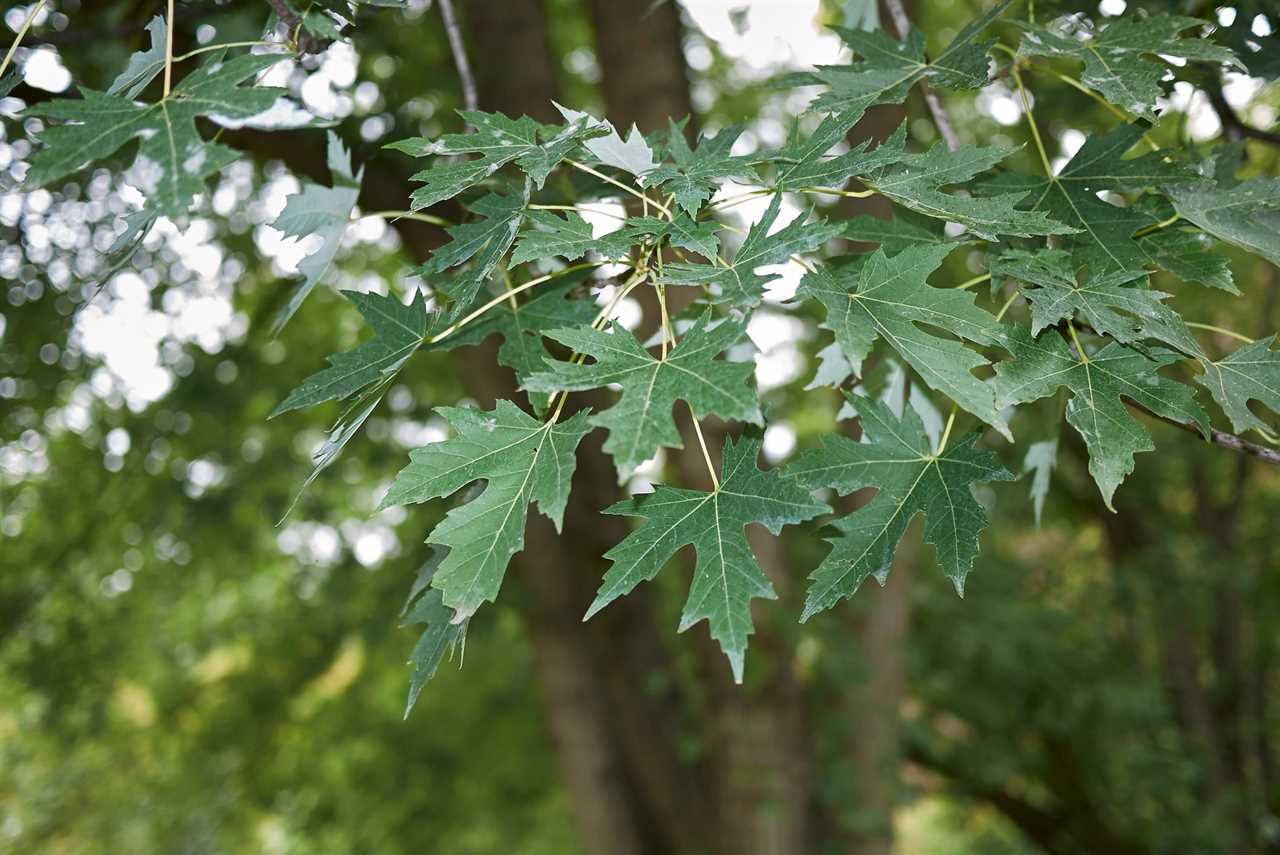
{"type": "Point", "coordinates": [760, 755]}
{"type": "Point", "coordinates": [616, 738]}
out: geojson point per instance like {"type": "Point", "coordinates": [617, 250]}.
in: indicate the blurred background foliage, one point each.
{"type": "Point", "coordinates": [180, 672]}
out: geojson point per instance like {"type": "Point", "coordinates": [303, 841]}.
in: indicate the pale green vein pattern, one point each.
{"type": "Point", "coordinates": [1251, 373]}
{"type": "Point", "coordinates": [521, 460]}
{"type": "Point", "coordinates": [739, 284]}
{"type": "Point", "coordinates": [727, 576]}
{"type": "Point", "coordinates": [642, 421]}
{"type": "Point", "coordinates": [877, 296]}
{"type": "Point", "coordinates": [1097, 382]}
{"type": "Point", "coordinates": [909, 479]}
{"type": "Point", "coordinates": [173, 161]}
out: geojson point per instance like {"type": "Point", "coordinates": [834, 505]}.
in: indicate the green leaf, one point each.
{"type": "Point", "coordinates": [915, 181]}
{"type": "Point", "coordinates": [1105, 239]}
{"type": "Point", "coordinates": [486, 240]}
{"type": "Point", "coordinates": [1251, 373]}
{"type": "Point", "coordinates": [173, 161]}
{"type": "Point", "coordinates": [909, 478]}
{"type": "Point", "coordinates": [680, 231]}
{"type": "Point", "coordinates": [692, 180]}
{"type": "Point", "coordinates": [1119, 57]}
{"type": "Point", "coordinates": [860, 14]}
{"type": "Point", "coordinates": [323, 211]}
{"type": "Point", "coordinates": [521, 460]}
{"type": "Point", "coordinates": [441, 636]}
{"type": "Point", "coordinates": [1048, 279]}
{"type": "Point", "coordinates": [888, 68]}
{"type": "Point", "coordinates": [641, 422]}
{"type": "Point", "coordinates": [1041, 459]}
{"type": "Point", "coordinates": [398, 331]}
{"type": "Point", "coordinates": [534, 147]}
{"type": "Point", "coordinates": [727, 576]}
{"type": "Point", "coordinates": [1246, 215]}
{"type": "Point", "coordinates": [803, 162]}
{"type": "Point", "coordinates": [904, 230]}
{"type": "Point", "coordinates": [631, 155]}
{"type": "Point", "coordinates": [1186, 253]}
{"type": "Point", "coordinates": [568, 237]}
{"type": "Point", "coordinates": [1041, 365]}
{"type": "Point", "coordinates": [143, 66]}
{"type": "Point", "coordinates": [880, 296]}
{"type": "Point", "coordinates": [521, 328]}
{"type": "Point", "coordinates": [739, 284]}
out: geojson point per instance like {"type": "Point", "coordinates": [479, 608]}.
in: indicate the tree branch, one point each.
{"type": "Point", "coordinates": [1217, 437]}
{"type": "Point", "coordinates": [902, 23]}
{"type": "Point", "coordinates": [1232, 124]}
{"type": "Point", "coordinates": [296, 32]}
{"type": "Point", "coordinates": [459, 50]}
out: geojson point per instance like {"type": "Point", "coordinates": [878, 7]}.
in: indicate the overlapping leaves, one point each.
{"type": "Point", "coordinates": [173, 160]}
{"type": "Point", "coordinates": [1096, 327]}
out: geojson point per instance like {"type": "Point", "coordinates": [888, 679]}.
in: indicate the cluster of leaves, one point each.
{"type": "Point", "coordinates": [1069, 314]}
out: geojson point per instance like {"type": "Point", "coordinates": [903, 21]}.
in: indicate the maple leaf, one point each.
{"type": "Point", "coordinates": [426, 606]}
{"type": "Point", "coordinates": [485, 240]}
{"type": "Point", "coordinates": [569, 237]}
{"type": "Point", "coordinates": [1117, 56]}
{"type": "Point", "coordinates": [1109, 302]}
{"type": "Point", "coordinates": [323, 211]}
{"type": "Point", "coordinates": [1251, 373]}
{"type": "Point", "coordinates": [692, 180]}
{"type": "Point", "coordinates": [1040, 461]}
{"type": "Point", "coordinates": [905, 229]}
{"type": "Point", "coordinates": [398, 331]}
{"type": "Point", "coordinates": [522, 461]}
{"type": "Point", "coordinates": [1246, 215]}
{"type": "Point", "coordinates": [521, 327]}
{"type": "Point", "coordinates": [1097, 383]}
{"type": "Point", "coordinates": [534, 147]}
{"type": "Point", "coordinates": [881, 296]}
{"type": "Point", "coordinates": [143, 65]}
{"type": "Point", "coordinates": [889, 68]}
{"type": "Point", "coordinates": [914, 181]}
{"type": "Point", "coordinates": [632, 155]}
{"type": "Point", "coordinates": [727, 576]}
{"type": "Point", "coordinates": [641, 422]}
{"type": "Point", "coordinates": [909, 478]}
{"type": "Point", "coordinates": [1186, 253]}
{"type": "Point", "coordinates": [680, 231]}
{"type": "Point", "coordinates": [803, 162]}
{"type": "Point", "coordinates": [1105, 231]}
{"type": "Point", "coordinates": [173, 161]}
{"type": "Point", "coordinates": [739, 284]}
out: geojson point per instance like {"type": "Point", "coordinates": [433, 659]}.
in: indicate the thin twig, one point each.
{"type": "Point", "coordinates": [228, 46]}
{"type": "Point", "coordinates": [902, 23]}
{"type": "Point", "coordinates": [706, 455]}
{"type": "Point", "coordinates": [1217, 437]}
{"type": "Point", "coordinates": [459, 50]}
{"type": "Point", "coordinates": [168, 51]}
{"type": "Point", "coordinates": [406, 215]}
{"type": "Point", "coordinates": [616, 183]}
{"type": "Point", "coordinates": [22, 31]}
{"type": "Point", "coordinates": [454, 327]}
